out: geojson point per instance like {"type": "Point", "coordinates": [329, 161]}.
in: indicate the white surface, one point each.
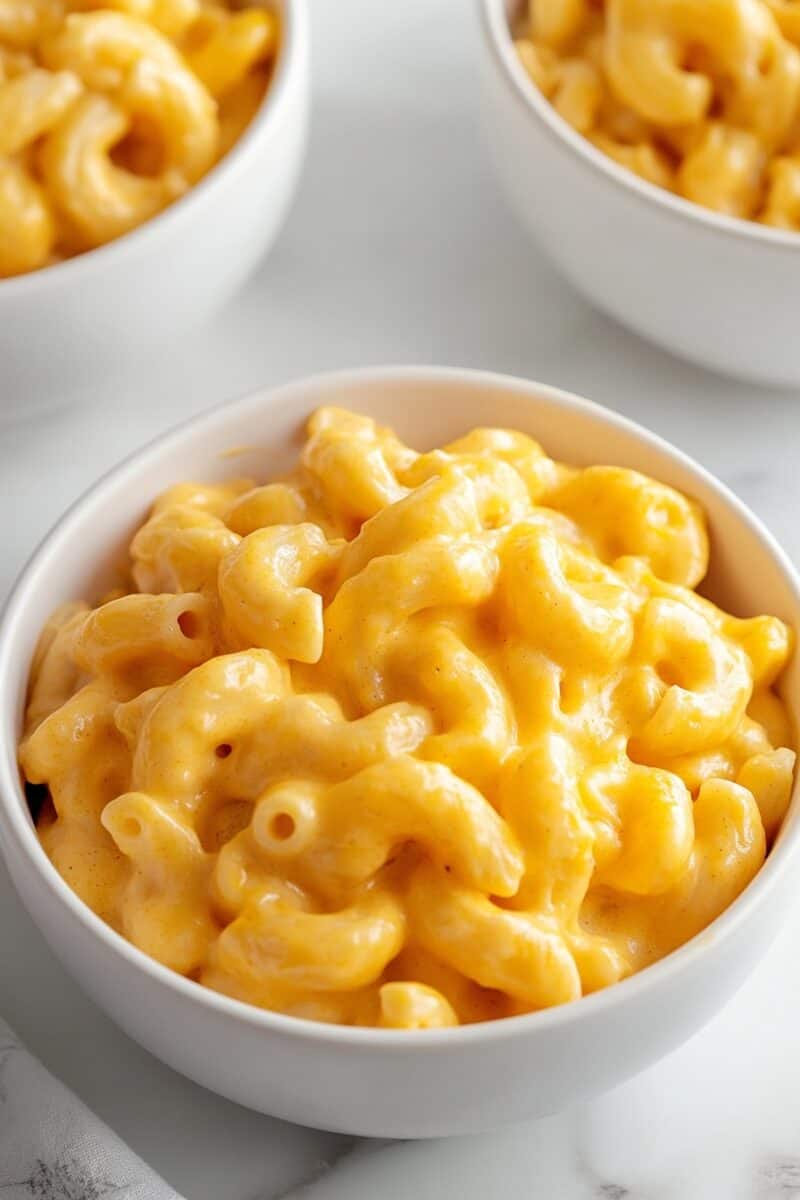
{"type": "Point", "coordinates": [631, 247]}
{"type": "Point", "coordinates": [354, 1080]}
{"type": "Point", "coordinates": [400, 248]}
{"type": "Point", "coordinates": [113, 305]}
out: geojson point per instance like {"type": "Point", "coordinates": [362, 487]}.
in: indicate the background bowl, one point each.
{"type": "Point", "coordinates": [111, 305]}
{"type": "Point", "coordinates": [367, 1081]}
{"type": "Point", "coordinates": [721, 292]}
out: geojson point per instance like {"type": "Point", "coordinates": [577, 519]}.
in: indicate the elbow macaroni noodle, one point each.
{"type": "Point", "coordinates": [109, 111]}
{"type": "Point", "coordinates": [701, 97]}
{"type": "Point", "coordinates": [410, 740]}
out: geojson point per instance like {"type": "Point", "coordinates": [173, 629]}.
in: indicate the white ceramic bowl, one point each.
{"type": "Point", "coordinates": [367, 1081]}
{"type": "Point", "coordinates": [721, 292]}
{"type": "Point", "coordinates": [75, 318]}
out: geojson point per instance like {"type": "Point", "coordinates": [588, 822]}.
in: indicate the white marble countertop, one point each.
{"type": "Point", "coordinates": [400, 249]}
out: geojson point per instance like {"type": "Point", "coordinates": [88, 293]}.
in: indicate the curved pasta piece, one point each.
{"type": "Point", "coordinates": [244, 875]}
{"type": "Point", "coordinates": [541, 63]}
{"type": "Point", "coordinates": [336, 951]}
{"type": "Point", "coordinates": [769, 712]}
{"type": "Point", "coordinates": [139, 69]}
{"type": "Point", "coordinates": [766, 641]}
{"type": "Point", "coordinates": [645, 47]}
{"type": "Point", "coordinates": [262, 587]}
{"type": "Point", "coordinates": [729, 849]}
{"type": "Point", "coordinates": [539, 797]}
{"type": "Point", "coordinates": [644, 69]}
{"type": "Point", "coordinates": [748, 739]}
{"type": "Point", "coordinates": [54, 673]}
{"type": "Point", "coordinates": [707, 682]}
{"type": "Point", "coordinates": [83, 773]}
{"type": "Point", "coordinates": [163, 636]}
{"type": "Point", "coordinates": [369, 608]}
{"type": "Point", "coordinates": [625, 513]}
{"type": "Point", "coordinates": [538, 472]}
{"type": "Point", "coordinates": [500, 494]}
{"type": "Point", "coordinates": [564, 602]}
{"type": "Point", "coordinates": [414, 1006]}
{"type": "Point", "coordinates": [27, 227]}
{"type": "Point", "coordinates": [179, 550]}
{"type": "Point", "coordinates": [71, 844]}
{"type": "Point", "coordinates": [601, 961]}
{"type": "Point", "coordinates": [31, 104]}
{"type": "Point", "coordinates": [334, 422]}
{"type": "Point", "coordinates": [100, 200]}
{"type": "Point", "coordinates": [475, 721]}
{"type": "Point", "coordinates": [362, 819]}
{"type": "Point", "coordinates": [725, 170]}
{"type": "Point", "coordinates": [532, 682]}
{"type": "Point", "coordinates": [205, 712]}
{"type": "Point", "coordinates": [335, 1008]}
{"type": "Point", "coordinates": [272, 504]}
{"type": "Point", "coordinates": [769, 777]}
{"type": "Point", "coordinates": [513, 951]}
{"type": "Point", "coordinates": [766, 99]}
{"type": "Point", "coordinates": [236, 44]}
{"type": "Point", "coordinates": [649, 827]}
{"type": "Point", "coordinates": [578, 94]}
{"type": "Point", "coordinates": [444, 505]}
{"type": "Point", "coordinates": [354, 462]}
{"type": "Point", "coordinates": [309, 735]}
{"type": "Point", "coordinates": [165, 910]}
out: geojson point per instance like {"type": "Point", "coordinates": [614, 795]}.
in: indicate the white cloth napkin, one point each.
{"type": "Point", "coordinates": [53, 1148]}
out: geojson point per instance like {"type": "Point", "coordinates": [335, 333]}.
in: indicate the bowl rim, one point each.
{"type": "Point", "coordinates": [494, 21]}
{"type": "Point", "coordinates": [270, 112]}
{"type": "Point", "coordinates": [18, 832]}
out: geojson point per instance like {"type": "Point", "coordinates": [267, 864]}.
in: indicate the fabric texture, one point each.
{"type": "Point", "coordinates": [52, 1147]}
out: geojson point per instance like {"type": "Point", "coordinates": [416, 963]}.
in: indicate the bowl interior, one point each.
{"type": "Point", "coordinates": [260, 437]}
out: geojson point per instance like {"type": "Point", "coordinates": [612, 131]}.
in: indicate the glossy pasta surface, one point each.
{"type": "Point", "coordinates": [111, 110]}
{"type": "Point", "coordinates": [411, 739]}
{"type": "Point", "coordinates": [701, 97]}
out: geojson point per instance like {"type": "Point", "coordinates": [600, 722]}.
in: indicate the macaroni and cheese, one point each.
{"type": "Point", "coordinates": [410, 739]}
{"type": "Point", "coordinates": [112, 109]}
{"type": "Point", "coordinates": [701, 97]}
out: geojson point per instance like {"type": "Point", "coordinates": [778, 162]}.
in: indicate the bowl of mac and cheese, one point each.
{"type": "Point", "coordinates": [148, 153]}
{"type": "Point", "coordinates": [426, 763]}
{"type": "Point", "coordinates": [652, 149]}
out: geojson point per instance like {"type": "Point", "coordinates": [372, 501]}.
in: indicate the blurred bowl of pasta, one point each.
{"type": "Point", "coordinates": [409, 1077]}
{"type": "Point", "coordinates": [149, 153]}
{"type": "Point", "coordinates": [651, 152]}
